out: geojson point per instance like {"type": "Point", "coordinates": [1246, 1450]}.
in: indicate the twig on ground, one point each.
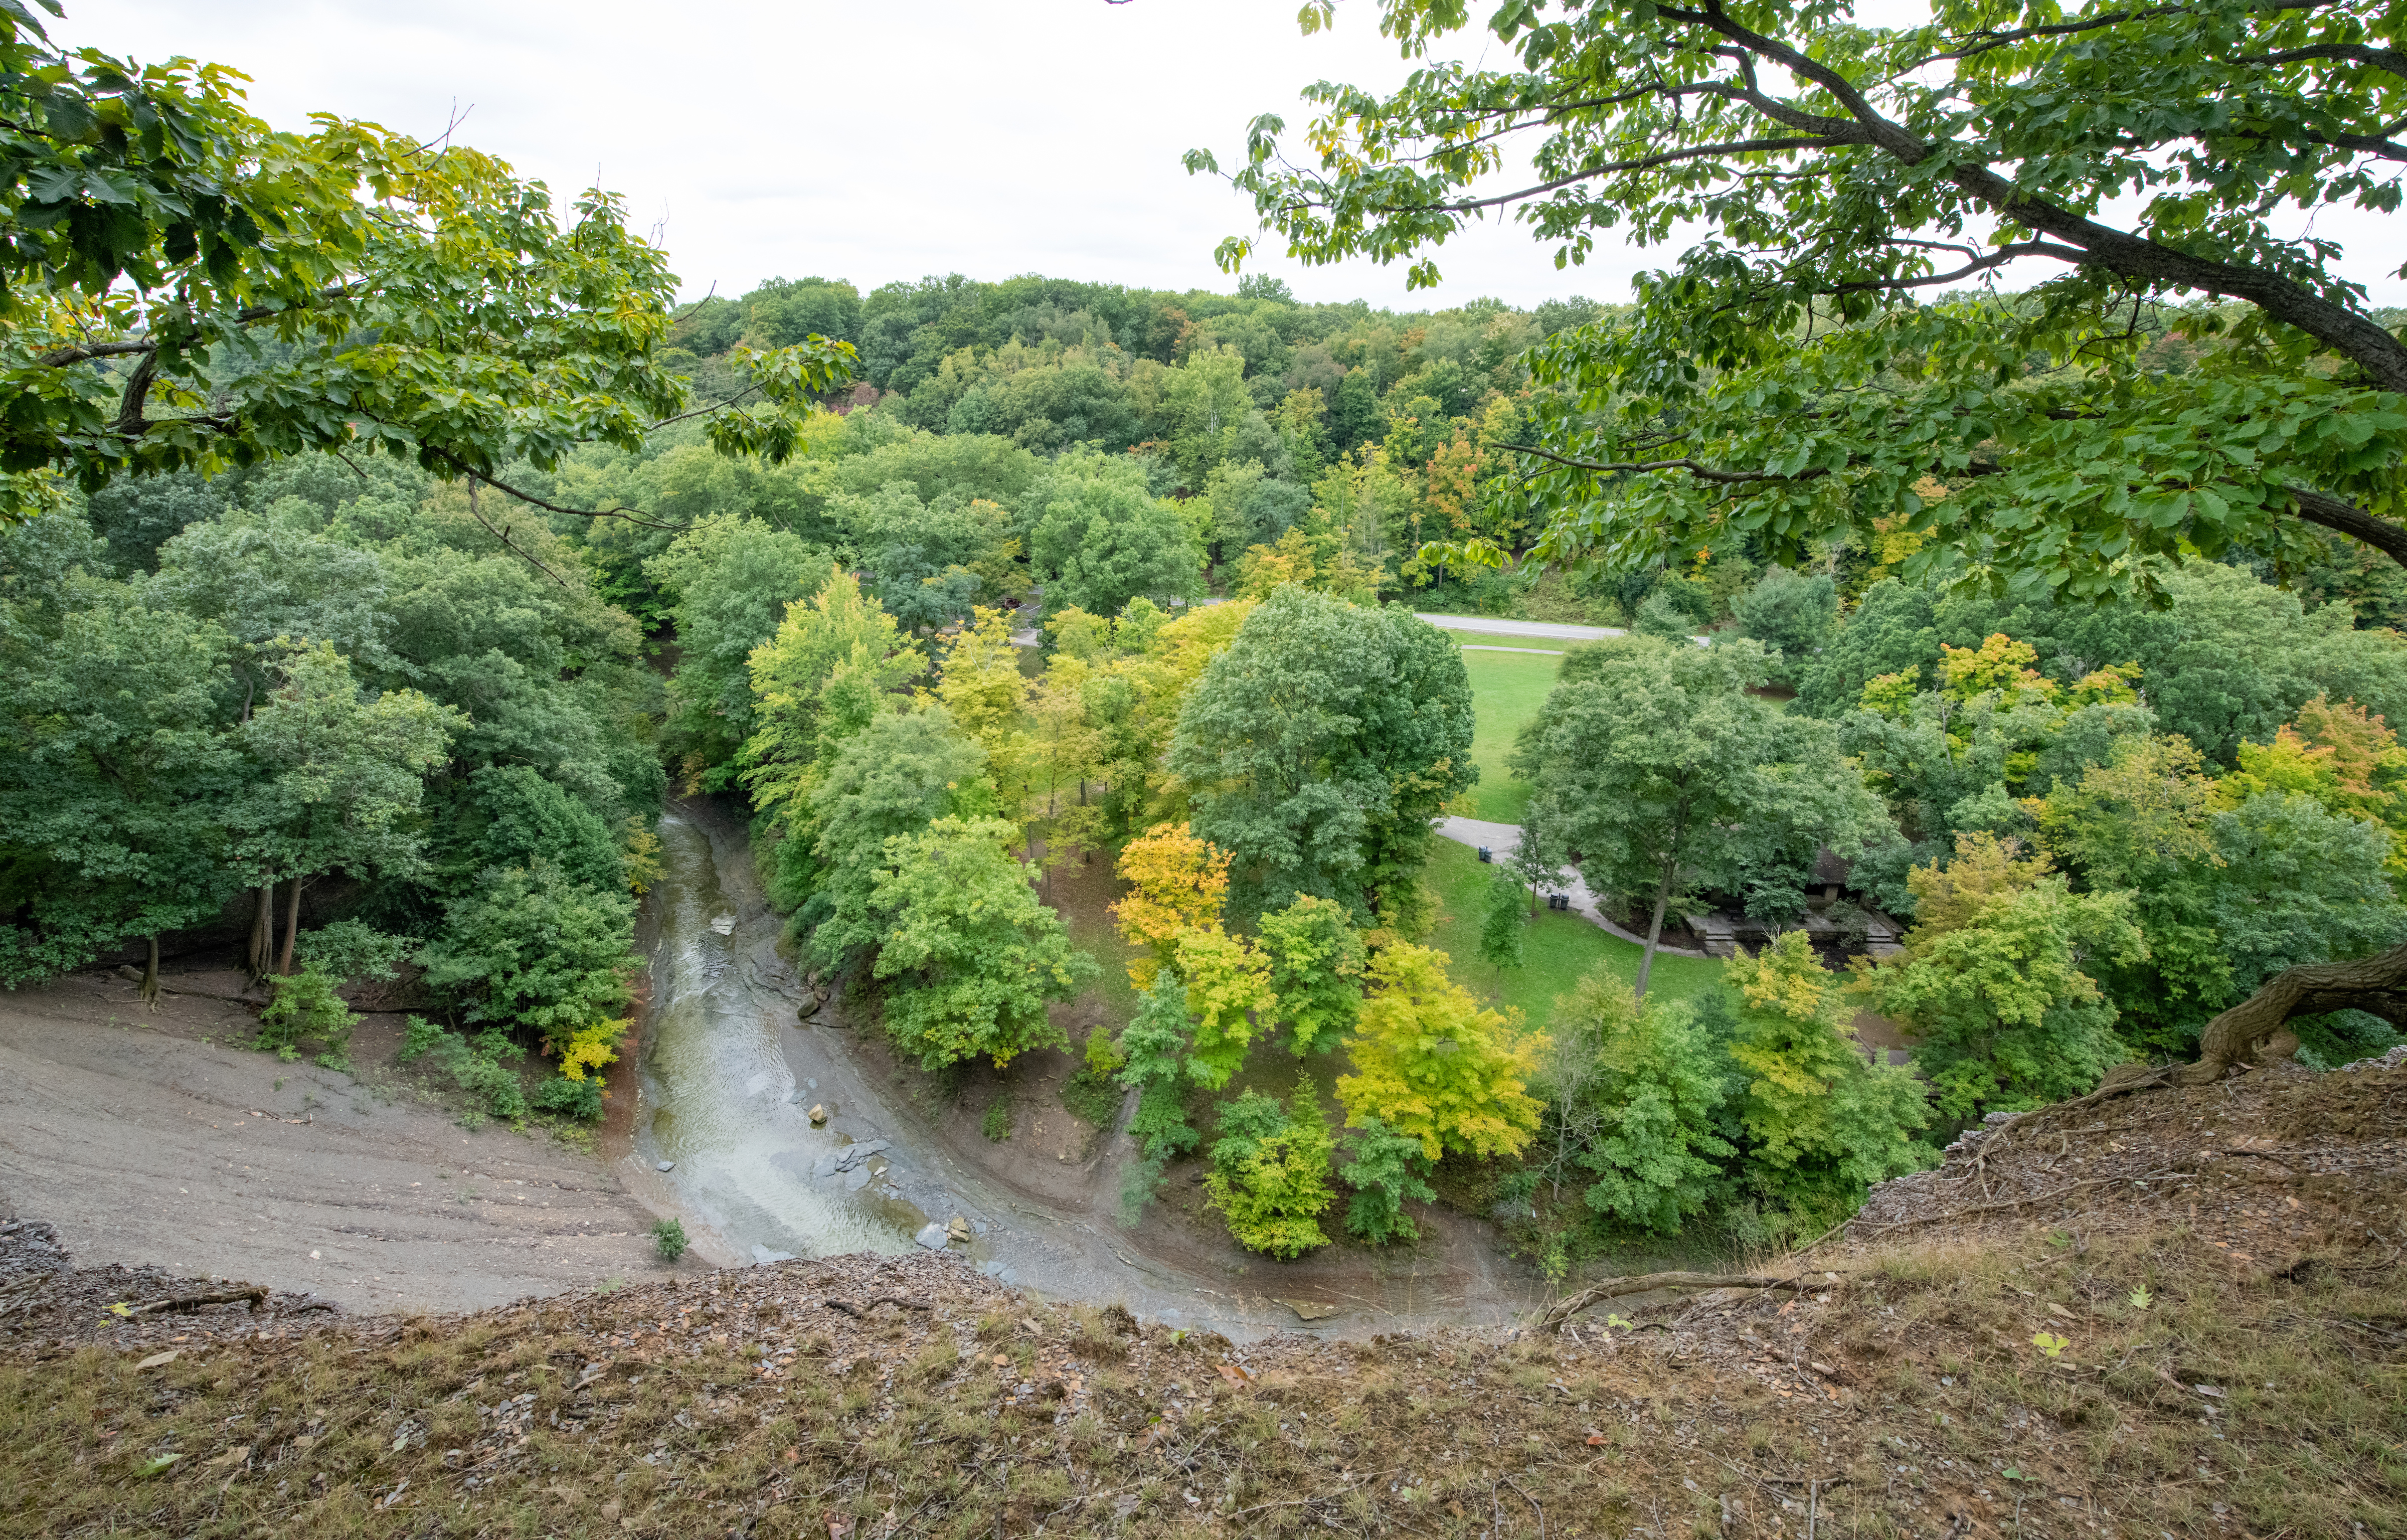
{"type": "Point", "coordinates": [254, 1293]}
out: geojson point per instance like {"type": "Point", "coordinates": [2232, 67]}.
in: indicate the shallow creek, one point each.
{"type": "Point", "coordinates": [725, 1086]}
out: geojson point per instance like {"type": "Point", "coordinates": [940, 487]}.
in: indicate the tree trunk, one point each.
{"type": "Point", "coordinates": [291, 931]}
{"type": "Point", "coordinates": [151, 978]}
{"type": "Point", "coordinates": [1654, 932]}
{"type": "Point", "coordinates": [2376, 985]}
{"type": "Point", "coordinates": [262, 932]}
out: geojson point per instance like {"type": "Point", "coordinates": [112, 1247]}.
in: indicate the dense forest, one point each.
{"type": "Point", "coordinates": [382, 546]}
{"type": "Point", "coordinates": [1040, 598]}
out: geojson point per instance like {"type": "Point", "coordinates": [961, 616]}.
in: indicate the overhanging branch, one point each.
{"type": "Point", "coordinates": [2342, 517]}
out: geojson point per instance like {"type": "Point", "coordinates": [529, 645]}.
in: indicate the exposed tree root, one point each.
{"type": "Point", "coordinates": [2251, 1031]}
{"type": "Point", "coordinates": [1563, 1310]}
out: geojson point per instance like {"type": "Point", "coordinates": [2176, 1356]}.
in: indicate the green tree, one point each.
{"type": "Point", "coordinates": [1316, 961]}
{"type": "Point", "coordinates": [1537, 858]}
{"type": "Point", "coordinates": [1156, 1044]}
{"type": "Point", "coordinates": [1672, 780]}
{"type": "Point", "coordinates": [1996, 993]}
{"type": "Point", "coordinates": [1102, 543]}
{"type": "Point", "coordinates": [1270, 1171]}
{"type": "Point", "coordinates": [521, 817]}
{"type": "Point", "coordinates": [820, 678]}
{"type": "Point", "coordinates": [1821, 1124]}
{"type": "Point", "coordinates": [1634, 1087]}
{"type": "Point", "coordinates": [1386, 1170]}
{"type": "Point", "coordinates": [1839, 169]}
{"type": "Point", "coordinates": [978, 956]}
{"type": "Point", "coordinates": [121, 766]}
{"type": "Point", "coordinates": [190, 289]}
{"type": "Point", "coordinates": [1431, 1064]}
{"type": "Point", "coordinates": [1318, 746]}
{"type": "Point", "coordinates": [527, 948]}
{"type": "Point", "coordinates": [731, 581]}
{"type": "Point", "coordinates": [892, 778]}
{"type": "Point", "coordinates": [1505, 923]}
{"type": "Point", "coordinates": [1790, 613]}
{"type": "Point", "coordinates": [337, 777]}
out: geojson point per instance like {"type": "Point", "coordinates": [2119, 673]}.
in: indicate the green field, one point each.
{"type": "Point", "coordinates": [1506, 690]}
{"type": "Point", "coordinates": [1558, 950]}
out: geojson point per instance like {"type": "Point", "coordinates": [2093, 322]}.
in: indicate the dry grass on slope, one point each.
{"type": "Point", "coordinates": [2187, 1392]}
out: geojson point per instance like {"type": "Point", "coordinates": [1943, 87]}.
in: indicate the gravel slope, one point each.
{"type": "Point", "coordinates": [150, 1144]}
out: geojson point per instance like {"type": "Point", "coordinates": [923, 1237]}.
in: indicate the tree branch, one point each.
{"type": "Point", "coordinates": [1696, 468]}
{"type": "Point", "coordinates": [477, 514]}
{"type": "Point", "coordinates": [2353, 53]}
{"type": "Point", "coordinates": [464, 468]}
{"type": "Point", "coordinates": [1735, 146]}
{"type": "Point", "coordinates": [2355, 337]}
{"type": "Point", "coordinates": [2342, 517]}
{"type": "Point", "coordinates": [60, 357]}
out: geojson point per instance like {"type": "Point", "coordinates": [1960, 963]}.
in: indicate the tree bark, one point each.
{"type": "Point", "coordinates": [291, 931]}
{"type": "Point", "coordinates": [150, 977]}
{"type": "Point", "coordinates": [262, 932]}
{"type": "Point", "coordinates": [1654, 932]}
{"type": "Point", "coordinates": [2241, 1036]}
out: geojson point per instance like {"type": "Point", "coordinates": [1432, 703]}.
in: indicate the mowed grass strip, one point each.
{"type": "Point", "coordinates": [1506, 690]}
{"type": "Point", "coordinates": [1558, 949]}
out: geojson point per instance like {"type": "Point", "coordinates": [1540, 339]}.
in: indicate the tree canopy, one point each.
{"type": "Point", "coordinates": [189, 288]}
{"type": "Point", "coordinates": [2197, 375]}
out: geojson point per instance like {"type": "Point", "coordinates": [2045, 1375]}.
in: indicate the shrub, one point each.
{"type": "Point", "coordinates": [528, 947]}
{"type": "Point", "coordinates": [567, 1097]}
{"type": "Point", "coordinates": [1385, 1169]}
{"type": "Point", "coordinates": [591, 1047]}
{"type": "Point", "coordinates": [351, 948]}
{"type": "Point", "coordinates": [997, 1123]}
{"type": "Point", "coordinates": [1270, 1172]}
{"type": "Point", "coordinates": [477, 1066]}
{"type": "Point", "coordinates": [305, 1006]}
{"type": "Point", "coordinates": [669, 1237]}
{"type": "Point", "coordinates": [1093, 1094]}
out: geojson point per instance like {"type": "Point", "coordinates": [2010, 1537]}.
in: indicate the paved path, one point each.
{"type": "Point", "coordinates": [1505, 838]}
{"type": "Point", "coordinates": [1490, 626]}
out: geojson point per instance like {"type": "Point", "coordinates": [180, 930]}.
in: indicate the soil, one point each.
{"type": "Point", "coordinates": [151, 1139]}
{"type": "Point", "coordinates": [2265, 1167]}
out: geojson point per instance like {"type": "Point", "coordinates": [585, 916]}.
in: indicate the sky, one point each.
{"type": "Point", "coordinates": [855, 141]}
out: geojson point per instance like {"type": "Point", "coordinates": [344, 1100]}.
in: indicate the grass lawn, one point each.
{"type": "Point", "coordinates": [1559, 950]}
{"type": "Point", "coordinates": [1506, 690]}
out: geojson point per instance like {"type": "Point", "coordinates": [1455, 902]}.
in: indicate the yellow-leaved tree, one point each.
{"type": "Point", "coordinates": [1435, 1065]}
{"type": "Point", "coordinates": [1178, 882]}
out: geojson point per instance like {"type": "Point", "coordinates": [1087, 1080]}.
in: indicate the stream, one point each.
{"type": "Point", "coordinates": [726, 1082]}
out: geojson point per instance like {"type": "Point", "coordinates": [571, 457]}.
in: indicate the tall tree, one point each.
{"type": "Point", "coordinates": [1837, 170]}
{"type": "Point", "coordinates": [1103, 543]}
{"type": "Point", "coordinates": [976, 958]}
{"type": "Point", "coordinates": [828, 668]}
{"type": "Point", "coordinates": [121, 766]}
{"type": "Point", "coordinates": [1821, 1123]}
{"type": "Point", "coordinates": [338, 776]}
{"type": "Point", "coordinates": [1672, 781]}
{"type": "Point", "coordinates": [1318, 746]}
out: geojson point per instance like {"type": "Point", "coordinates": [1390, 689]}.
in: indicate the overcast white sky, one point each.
{"type": "Point", "coordinates": [871, 143]}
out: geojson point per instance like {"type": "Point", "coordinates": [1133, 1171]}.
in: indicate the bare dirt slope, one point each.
{"type": "Point", "coordinates": [2102, 1370]}
{"type": "Point", "coordinates": [148, 1140]}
